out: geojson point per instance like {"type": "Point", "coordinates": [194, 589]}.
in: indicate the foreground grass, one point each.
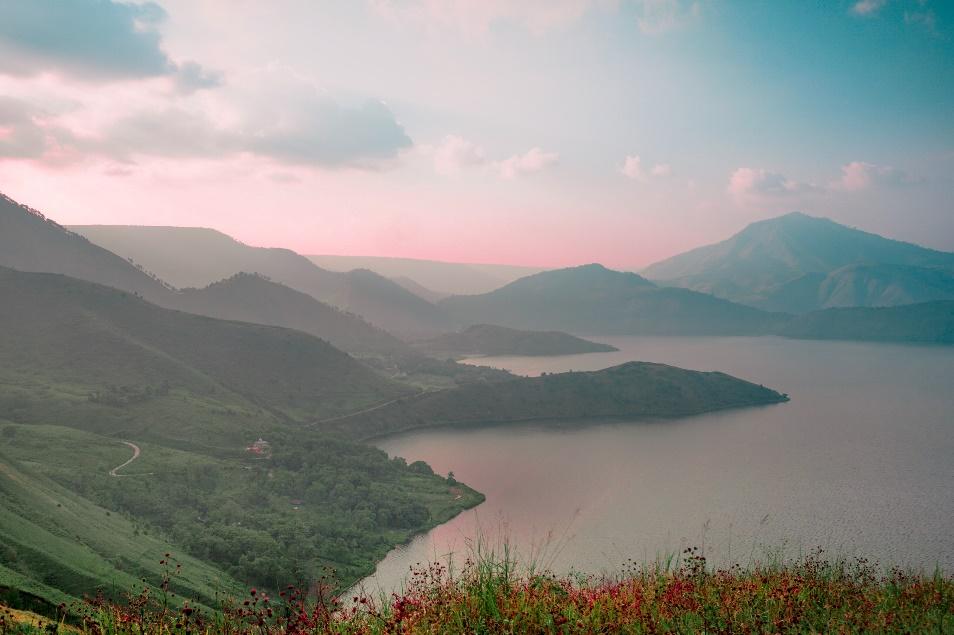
{"type": "Point", "coordinates": [492, 595]}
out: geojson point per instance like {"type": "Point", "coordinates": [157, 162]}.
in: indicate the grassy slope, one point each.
{"type": "Point", "coordinates": [635, 389]}
{"type": "Point", "coordinates": [58, 545]}
{"type": "Point", "coordinates": [488, 339]}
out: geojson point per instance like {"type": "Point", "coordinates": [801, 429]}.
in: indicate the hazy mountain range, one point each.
{"type": "Point", "coordinates": [196, 257]}
{"type": "Point", "coordinates": [441, 278]}
{"type": "Point", "coordinates": [793, 264]}
{"type": "Point", "coordinates": [592, 299]}
{"type": "Point", "coordinates": [798, 263]}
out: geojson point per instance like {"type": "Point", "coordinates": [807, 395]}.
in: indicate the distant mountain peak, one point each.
{"type": "Point", "coordinates": [777, 263]}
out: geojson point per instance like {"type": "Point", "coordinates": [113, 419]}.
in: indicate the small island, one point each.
{"type": "Point", "coordinates": [634, 390]}
{"type": "Point", "coordinates": [489, 339]}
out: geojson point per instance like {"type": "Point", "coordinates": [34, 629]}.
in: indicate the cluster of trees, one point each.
{"type": "Point", "coordinates": [114, 395]}
{"type": "Point", "coordinates": [313, 506]}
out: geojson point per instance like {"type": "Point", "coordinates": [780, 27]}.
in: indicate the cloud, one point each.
{"type": "Point", "coordinates": [191, 76]}
{"type": "Point", "coordinates": [756, 183]}
{"type": "Point", "coordinates": [92, 40]}
{"type": "Point", "coordinates": [632, 168]}
{"type": "Point", "coordinates": [859, 175]}
{"type": "Point", "coordinates": [29, 133]}
{"type": "Point", "coordinates": [867, 7]}
{"type": "Point", "coordinates": [455, 153]}
{"type": "Point", "coordinates": [318, 130]}
{"type": "Point", "coordinates": [534, 160]}
{"type": "Point", "coordinates": [88, 38]}
{"type": "Point", "coordinates": [926, 19]}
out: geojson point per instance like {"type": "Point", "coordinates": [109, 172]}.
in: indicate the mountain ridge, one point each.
{"type": "Point", "coordinates": [770, 258]}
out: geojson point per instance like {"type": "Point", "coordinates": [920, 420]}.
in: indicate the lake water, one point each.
{"type": "Point", "coordinates": [859, 462]}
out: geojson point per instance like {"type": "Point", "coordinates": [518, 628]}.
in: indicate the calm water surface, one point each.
{"type": "Point", "coordinates": [860, 462]}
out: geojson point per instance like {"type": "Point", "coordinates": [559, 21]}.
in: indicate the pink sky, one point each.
{"type": "Point", "coordinates": [541, 133]}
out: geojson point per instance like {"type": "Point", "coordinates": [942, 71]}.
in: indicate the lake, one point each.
{"type": "Point", "coordinates": [859, 462]}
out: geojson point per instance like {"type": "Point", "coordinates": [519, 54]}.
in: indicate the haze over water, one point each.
{"type": "Point", "coordinates": [860, 461]}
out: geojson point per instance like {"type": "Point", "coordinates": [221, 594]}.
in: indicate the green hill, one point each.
{"type": "Point", "coordinates": [56, 545]}
{"type": "Point", "coordinates": [90, 345]}
{"type": "Point", "coordinates": [592, 299]}
{"type": "Point", "coordinates": [927, 322]}
{"type": "Point", "coordinates": [488, 339]}
{"type": "Point", "coordinates": [782, 264]}
{"type": "Point", "coordinates": [632, 390]}
{"type": "Point", "coordinates": [252, 298]}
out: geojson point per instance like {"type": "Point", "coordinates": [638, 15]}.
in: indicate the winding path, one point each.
{"type": "Point", "coordinates": [136, 453]}
{"type": "Point", "coordinates": [361, 412]}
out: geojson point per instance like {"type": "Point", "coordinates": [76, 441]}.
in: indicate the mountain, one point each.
{"type": "Point", "coordinates": [885, 285]}
{"type": "Point", "coordinates": [487, 339]}
{"type": "Point", "coordinates": [446, 278]}
{"type": "Point", "coordinates": [196, 257]}
{"type": "Point", "coordinates": [420, 290]}
{"type": "Point", "coordinates": [634, 389]}
{"type": "Point", "coordinates": [592, 299]}
{"type": "Point", "coordinates": [252, 298]}
{"type": "Point", "coordinates": [31, 242]}
{"type": "Point", "coordinates": [783, 263]}
{"type": "Point", "coordinates": [927, 322]}
{"type": "Point", "coordinates": [94, 346]}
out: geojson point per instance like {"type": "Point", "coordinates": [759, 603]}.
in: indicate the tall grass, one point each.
{"type": "Point", "coordinates": [495, 593]}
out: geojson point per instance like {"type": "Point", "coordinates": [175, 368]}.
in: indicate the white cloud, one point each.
{"type": "Point", "coordinates": [926, 19]}
{"type": "Point", "coordinates": [632, 168]}
{"type": "Point", "coordinates": [758, 184]}
{"type": "Point", "coordinates": [534, 160]}
{"type": "Point", "coordinates": [859, 175]}
{"type": "Point", "coordinates": [867, 7]}
{"type": "Point", "coordinates": [456, 153]}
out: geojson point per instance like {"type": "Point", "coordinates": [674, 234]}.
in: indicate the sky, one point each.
{"type": "Point", "coordinates": [539, 132]}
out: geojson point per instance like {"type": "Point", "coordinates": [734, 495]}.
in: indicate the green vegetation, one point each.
{"type": "Point", "coordinates": [487, 339]}
{"type": "Point", "coordinates": [69, 340]}
{"type": "Point", "coordinates": [635, 389]}
{"type": "Point", "coordinates": [288, 514]}
{"type": "Point", "coordinates": [56, 545]}
{"type": "Point", "coordinates": [493, 594]}
{"type": "Point", "coordinates": [86, 366]}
